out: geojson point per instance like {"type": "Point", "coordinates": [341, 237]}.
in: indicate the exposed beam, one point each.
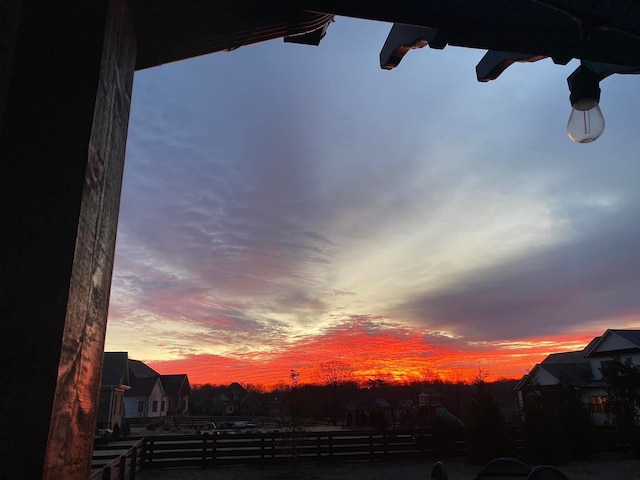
{"type": "Point", "coordinates": [525, 26]}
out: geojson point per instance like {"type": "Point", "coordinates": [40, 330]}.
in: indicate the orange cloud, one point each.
{"type": "Point", "coordinates": [373, 351]}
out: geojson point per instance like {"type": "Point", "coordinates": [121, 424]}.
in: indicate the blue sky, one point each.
{"type": "Point", "coordinates": [280, 196]}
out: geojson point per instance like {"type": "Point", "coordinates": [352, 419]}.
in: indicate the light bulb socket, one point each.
{"type": "Point", "coordinates": [583, 84]}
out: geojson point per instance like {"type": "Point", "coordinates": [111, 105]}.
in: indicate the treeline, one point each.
{"type": "Point", "coordinates": [335, 402]}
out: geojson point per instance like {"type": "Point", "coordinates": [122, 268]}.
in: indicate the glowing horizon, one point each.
{"type": "Point", "coordinates": [383, 356]}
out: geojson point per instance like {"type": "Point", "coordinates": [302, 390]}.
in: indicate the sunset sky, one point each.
{"type": "Point", "coordinates": [286, 205]}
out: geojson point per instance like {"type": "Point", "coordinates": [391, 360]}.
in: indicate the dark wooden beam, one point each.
{"type": "Point", "coordinates": [551, 28]}
{"type": "Point", "coordinates": [172, 30]}
{"type": "Point", "coordinates": [62, 147]}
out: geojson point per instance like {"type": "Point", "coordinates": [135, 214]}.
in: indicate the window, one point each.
{"type": "Point", "coordinates": [598, 404]}
{"type": "Point", "coordinates": [140, 406]}
{"type": "Point", "coordinates": [155, 406]}
{"type": "Point", "coordinates": [605, 364]}
{"type": "Point", "coordinates": [162, 406]}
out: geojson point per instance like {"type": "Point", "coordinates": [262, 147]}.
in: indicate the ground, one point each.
{"type": "Point", "coordinates": [610, 467]}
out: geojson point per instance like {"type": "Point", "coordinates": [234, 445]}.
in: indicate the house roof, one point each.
{"type": "Point", "coordinates": [138, 369]}
{"type": "Point", "coordinates": [174, 384]}
{"type": "Point", "coordinates": [564, 358]}
{"type": "Point", "coordinates": [143, 387]}
{"type": "Point", "coordinates": [114, 369]}
{"type": "Point", "coordinates": [631, 335]}
{"type": "Point", "coordinates": [576, 366]}
{"type": "Point", "coordinates": [614, 341]}
{"type": "Point", "coordinates": [577, 374]}
{"type": "Point", "coordinates": [235, 387]}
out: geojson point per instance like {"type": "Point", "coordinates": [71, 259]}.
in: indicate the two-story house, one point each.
{"type": "Point", "coordinates": [583, 369]}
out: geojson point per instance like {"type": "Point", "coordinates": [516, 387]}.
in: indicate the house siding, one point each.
{"type": "Point", "coordinates": [132, 401]}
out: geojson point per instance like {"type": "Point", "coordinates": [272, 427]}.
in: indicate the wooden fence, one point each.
{"type": "Point", "coordinates": [123, 466]}
{"type": "Point", "coordinates": [210, 450]}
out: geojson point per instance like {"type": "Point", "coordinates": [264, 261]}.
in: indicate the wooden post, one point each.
{"type": "Point", "coordinates": [122, 467]}
{"type": "Point", "coordinates": [64, 117]}
{"type": "Point", "coordinates": [204, 451]}
{"type": "Point", "coordinates": [134, 462]}
{"type": "Point", "coordinates": [148, 455]}
{"type": "Point", "coordinates": [106, 473]}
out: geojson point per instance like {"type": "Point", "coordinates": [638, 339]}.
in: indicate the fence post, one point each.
{"type": "Point", "coordinates": [371, 455]}
{"type": "Point", "coordinates": [134, 462]}
{"type": "Point", "coordinates": [106, 473]}
{"type": "Point", "coordinates": [149, 453]}
{"type": "Point", "coordinates": [330, 446]}
{"type": "Point", "coordinates": [122, 467]}
{"type": "Point", "coordinates": [204, 451]}
{"type": "Point", "coordinates": [262, 441]}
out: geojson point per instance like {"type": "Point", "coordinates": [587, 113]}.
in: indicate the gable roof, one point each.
{"type": "Point", "coordinates": [631, 335]}
{"type": "Point", "coordinates": [564, 358]}
{"type": "Point", "coordinates": [138, 369]}
{"type": "Point", "coordinates": [143, 387]}
{"type": "Point", "coordinates": [114, 369]}
{"type": "Point", "coordinates": [174, 384]}
{"type": "Point", "coordinates": [614, 342]}
{"type": "Point", "coordinates": [577, 374]}
{"type": "Point", "coordinates": [236, 388]}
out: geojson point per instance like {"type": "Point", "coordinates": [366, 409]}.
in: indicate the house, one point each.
{"type": "Point", "coordinates": [145, 399]}
{"type": "Point", "coordinates": [583, 370]}
{"type": "Point", "coordinates": [236, 400]}
{"type": "Point", "coordinates": [153, 395]}
{"type": "Point", "coordinates": [114, 384]}
{"type": "Point", "coordinates": [176, 393]}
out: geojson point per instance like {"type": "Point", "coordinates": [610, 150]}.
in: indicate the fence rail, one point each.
{"type": "Point", "coordinates": [210, 450]}
{"type": "Point", "coordinates": [123, 466]}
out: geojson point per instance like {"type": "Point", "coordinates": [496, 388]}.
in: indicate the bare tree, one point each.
{"type": "Point", "coordinates": [334, 374]}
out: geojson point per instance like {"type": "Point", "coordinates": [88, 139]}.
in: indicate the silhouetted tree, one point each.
{"type": "Point", "coordinates": [293, 441]}
{"type": "Point", "coordinates": [623, 398]}
{"type": "Point", "coordinates": [557, 426]}
{"type": "Point", "coordinates": [486, 426]}
{"type": "Point", "coordinates": [334, 375]}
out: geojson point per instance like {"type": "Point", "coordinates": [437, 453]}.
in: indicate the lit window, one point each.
{"type": "Point", "coordinates": [598, 404]}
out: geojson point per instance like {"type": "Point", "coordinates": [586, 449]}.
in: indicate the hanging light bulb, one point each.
{"type": "Point", "coordinates": [586, 122]}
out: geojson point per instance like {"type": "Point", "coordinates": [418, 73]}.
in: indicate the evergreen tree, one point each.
{"type": "Point", "coordinates": [486, 427]}
{"type": "Point", "coordinates": [623, 398]}
{"type": "Point", "coordinates": [557, 424]}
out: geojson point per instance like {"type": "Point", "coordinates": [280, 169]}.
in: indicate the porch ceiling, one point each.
{"type": "Point", "coordinates": [605, 31]}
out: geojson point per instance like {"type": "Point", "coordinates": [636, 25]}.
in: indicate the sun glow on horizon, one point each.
{"type": "Point", "coordinates": [384, 355]}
